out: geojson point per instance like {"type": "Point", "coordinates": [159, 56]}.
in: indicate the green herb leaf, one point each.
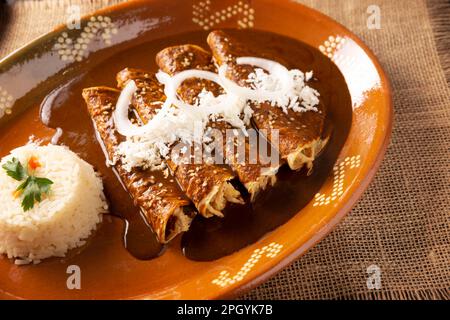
{"type": "Point", "coordinates": [28, 194]}
{"type": "Point", "coordinates": [23, 185]}
{"type": "Point", "coordinates": [33, 189]}
{"type": "Point", "coordinates": [15, 170]}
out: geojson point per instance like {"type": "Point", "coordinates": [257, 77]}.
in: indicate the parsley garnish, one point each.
{"type": "Point", "coordinates": [32, 188]}
{"type": "Point", "coordinates": [14, 169]}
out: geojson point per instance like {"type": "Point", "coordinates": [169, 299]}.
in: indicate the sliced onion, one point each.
{"type": "Point", "coordinates": [172, 84]}
{"type": "Point", "coordinates": [274, 68]}
{"type": "Point", "coordinates": [120, 116]}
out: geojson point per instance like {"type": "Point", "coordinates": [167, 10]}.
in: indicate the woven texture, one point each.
{"type": "Point", "coordinates": [402, 223]}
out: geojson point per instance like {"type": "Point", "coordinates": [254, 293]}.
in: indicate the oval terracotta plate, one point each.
{"type": "Point", "coordinates": [108, 271]}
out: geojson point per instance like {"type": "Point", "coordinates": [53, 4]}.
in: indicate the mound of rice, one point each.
{"type": "Point", "coordinates": [64, 218]}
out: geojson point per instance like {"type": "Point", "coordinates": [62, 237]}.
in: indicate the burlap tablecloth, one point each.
{"type": "Point", "coordinates": [402, 223]}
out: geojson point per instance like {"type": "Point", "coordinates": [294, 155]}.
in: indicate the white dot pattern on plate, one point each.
{"type": "Point", "coordinates": [206, 18]}
{"type": "Point", "coordinates": [6, 102]}
{"type": "Point", "coordinates": [331, 45]}
{"type": "Point", "coordinates": [270, 251]}
{"type": "Point", "coordinates": [76, 49]}
{"type": "Point", "coordinates": [338, 181]}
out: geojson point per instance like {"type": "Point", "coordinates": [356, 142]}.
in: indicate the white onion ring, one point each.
{"type": "Point", "coordinates": [120, 116]}
{"type": "Point", "coordinates": [274, 68]}
{"type": "Point", "coordinates": [172, 84]}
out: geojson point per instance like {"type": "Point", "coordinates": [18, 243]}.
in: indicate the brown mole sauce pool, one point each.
{"type": "Point", "coordinates": [212, 238]}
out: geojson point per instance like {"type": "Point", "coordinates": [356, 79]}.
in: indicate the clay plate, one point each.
{"type": "Point", "coordinates": [107, 270]}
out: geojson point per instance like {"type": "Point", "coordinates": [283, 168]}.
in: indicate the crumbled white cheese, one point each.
{"type": "Point", "coordinates": [186, 125]}
{"type": "Point", "coordinates": [299, 97]}
{"type": "Point", "coordinates": [150, 149]}
{"type": "Point", "coordinates": [179, 122]}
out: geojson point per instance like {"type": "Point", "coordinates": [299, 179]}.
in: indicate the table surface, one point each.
{"type": "Point", "coordinates": [402, 223]}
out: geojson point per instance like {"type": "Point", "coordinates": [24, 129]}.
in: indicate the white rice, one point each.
{"type": "Point", "coordinates": [63, 220]}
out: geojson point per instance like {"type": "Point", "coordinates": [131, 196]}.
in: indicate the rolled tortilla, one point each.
{"type": "Point", "coordinates": [301, 136]}
{"type": "Point", "coordinates": [209, 186]}
{"type": "Point", "coordinates": [254, 175]}
{"type": "Point", "coordinates": [164, 205]}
